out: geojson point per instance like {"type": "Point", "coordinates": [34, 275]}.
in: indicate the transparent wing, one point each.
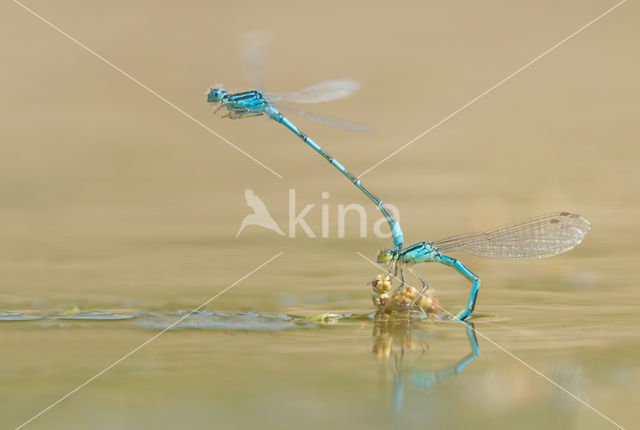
{"type": "Point", "coordinates": [321, 92]}
{"type": "Point", "coordinates": [253, 48]}
{"type": "Point", "coordinates": [331, 122]}
{"type": "Point", "coordinates": [540, 237]}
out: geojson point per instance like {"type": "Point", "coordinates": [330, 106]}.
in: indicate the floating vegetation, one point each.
{"type": "Point", "coordinates": [403, 299]}
{"type": "Point", "coordinates": [327, 319]}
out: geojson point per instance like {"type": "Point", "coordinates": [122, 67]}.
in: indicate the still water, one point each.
{"type": "Point", "coordinates": [227, 368]}
{"type": "Point", "coordinates": [118, 216]}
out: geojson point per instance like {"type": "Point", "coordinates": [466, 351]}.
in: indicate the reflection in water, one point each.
{"type": "Point", "coordinates": [393, 338]}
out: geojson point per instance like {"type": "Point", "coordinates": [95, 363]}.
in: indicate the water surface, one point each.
{"type": "Point", "coordinates": [118, 216]}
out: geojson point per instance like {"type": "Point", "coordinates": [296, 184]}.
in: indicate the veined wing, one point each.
{"type": "Point", "coordinates": [540, 237]}
{"type": "Point", "coordinates": [321, 92]}
{"type": "Point", "coordinates": [332, 122]}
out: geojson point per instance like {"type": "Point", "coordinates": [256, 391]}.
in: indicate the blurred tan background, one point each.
{"type": "Point", "coordinates": [107, 192]}
{"type": "Point", "coordinates": [112, 200]}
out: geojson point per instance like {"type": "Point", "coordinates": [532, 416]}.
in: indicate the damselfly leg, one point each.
{"type": "Point", "coordinates": [425, 285]}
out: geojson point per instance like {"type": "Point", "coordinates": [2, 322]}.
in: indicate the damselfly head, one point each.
{"type": "Point", "coordinates": [385, 256]}
{"type": "Point", "coordinates": [214, 95]}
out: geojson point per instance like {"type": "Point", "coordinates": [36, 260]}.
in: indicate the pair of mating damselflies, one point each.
{"type": "Point", "coordinates": [539, 237]}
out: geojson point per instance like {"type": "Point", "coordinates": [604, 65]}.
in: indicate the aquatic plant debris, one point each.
{"type": "Point", "coordinates": [327, 318]}
{"type": "Point", "coordinates": [403, 299]}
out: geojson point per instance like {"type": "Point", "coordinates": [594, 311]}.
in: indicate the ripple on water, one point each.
{"type": "Point", "coordinates": [14, 316]}
{"type": "Point", "coordinates": [93, 316]}
{"type": "Point", "coordinates": [205, 320]}
{"type": "Point", "coordinates": [185, 320]}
